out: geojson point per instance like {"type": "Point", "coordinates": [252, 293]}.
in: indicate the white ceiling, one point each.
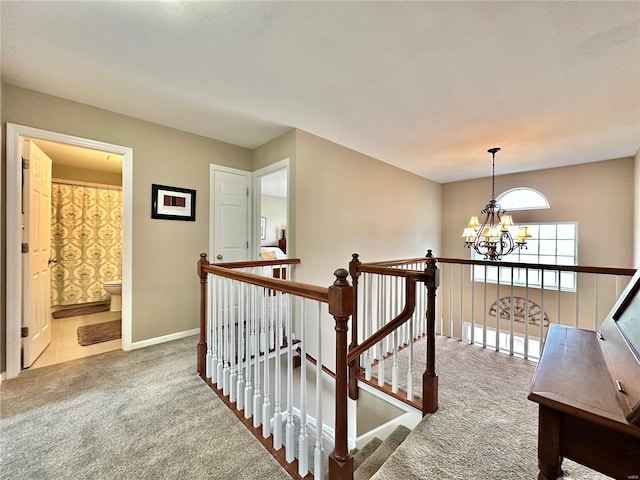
{"type": "Point", "coordinates": [427, 86]}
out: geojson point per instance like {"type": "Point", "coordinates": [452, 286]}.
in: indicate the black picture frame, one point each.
{"type": "Point", "coordinates": [173, 203]}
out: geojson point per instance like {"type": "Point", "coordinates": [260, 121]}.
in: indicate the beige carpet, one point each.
{"type": "Point", "coordinates": [120, 415]}
{"type": "Point", "coordinates": [485, 428]}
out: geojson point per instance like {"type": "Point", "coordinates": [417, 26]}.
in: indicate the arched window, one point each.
{"type": "Point", "coordinates": [522, 198]}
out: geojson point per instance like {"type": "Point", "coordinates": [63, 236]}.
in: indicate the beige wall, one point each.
{"type": "Point", "coordinates": [349, 203]}
{"type": "Point", "coordinates": [597, 195]}
{"type": "Point", "coordinates": [165, 285]}
{"type": "Point", "coordinates": [2, 242]}
{"type": "Point", "coordinates": [636, 210]}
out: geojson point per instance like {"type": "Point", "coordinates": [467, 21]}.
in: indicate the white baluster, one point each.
{"type": "Point", "coordinates": [242, 318]}
{"type": "Point", "coordinates": [277, 408]}
{"type": "Point", "coordinates": [257, 396]}
{"type": "Point", "coordinates": [227, 321]}
{"type": "Point", "coordinates": [410, 366]}
{"type": "Point", "coordinates": [266, 397]}
{"type": "Point", "coordinates": [381, 322]}
{"type": "Point", "coordinates": [303, 438]}
{"type": "Point", "coordinates": [394, 368]}
{"type": "Point", "coordinates": [385, 314]}
{"type": "Point", "coordinates": [248, 385]}
{"type": "Point", "coordinates": [318, 470]}
{"type": "Point", "coordinates": [368, 325]}
{"type": "Point", "coordinates": [219, 326]}
{"type": "Point", "coordinates": [233, 357]}
{"type": "Point", "coordinates": [290, 429]}
{"type": "Point", "coordinates": [263, 322]}
{"type": "Point", "coordinates": [211, 335]}
{"type": "Point", "coordinates": [272, 321]}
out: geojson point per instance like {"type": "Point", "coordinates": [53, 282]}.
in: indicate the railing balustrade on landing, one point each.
{"type": "Point", "coordinates": [248, 352]}
{"type": "Point", "coordinates": [508, 306]}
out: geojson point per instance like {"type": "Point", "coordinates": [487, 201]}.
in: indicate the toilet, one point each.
{"type": "Point", "coordinates": [115, 290]}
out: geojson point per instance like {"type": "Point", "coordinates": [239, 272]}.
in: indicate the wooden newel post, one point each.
{"type": "Point", "coordinates": [340, 306]}
{"type": "Point", "coordinates": [354, 367]}
{"type": "Point", "coordinates": [430, 377]}
{"type": "Point", "coordinates": [202, 344]}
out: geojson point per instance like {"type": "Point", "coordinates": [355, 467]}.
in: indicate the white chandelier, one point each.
{"type": "Point", "coordinates": [494, 237]}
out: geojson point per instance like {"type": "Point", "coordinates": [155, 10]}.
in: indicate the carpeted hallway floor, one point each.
{"type": "Point", "coordinates": [485, 428]}
{"type": "Point", "coordinates": [120, 415]}
{"type": "Point", "coordinates": [146, 414]}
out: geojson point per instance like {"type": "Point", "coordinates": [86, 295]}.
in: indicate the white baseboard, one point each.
{"type": "Point", "coordinates": [164, 338]}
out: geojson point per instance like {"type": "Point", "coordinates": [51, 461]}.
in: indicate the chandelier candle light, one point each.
{"type": "Point", "coordinates": [494, 237]}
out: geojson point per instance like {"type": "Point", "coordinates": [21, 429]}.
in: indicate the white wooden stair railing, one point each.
{"type": "Point", "coordinates": [396, 312]}
{"type": "Point", "coordinates": [247, 345]}
{"type": "Point", "coordinates": [248, 332]}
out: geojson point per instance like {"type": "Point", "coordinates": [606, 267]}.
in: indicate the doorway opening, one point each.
{"type": "Point", "coordinates": [86, 253]}
{"type": "Point", "coordinates": [271, 207]}
{"type": "Point", "coordinates": [16, 136]}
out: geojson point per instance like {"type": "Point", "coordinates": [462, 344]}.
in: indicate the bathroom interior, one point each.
{"type": "Point", "coordinates": [86, 253]}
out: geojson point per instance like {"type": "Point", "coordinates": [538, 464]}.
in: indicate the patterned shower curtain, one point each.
{"type": "Point", "coordinates": [86, 238]}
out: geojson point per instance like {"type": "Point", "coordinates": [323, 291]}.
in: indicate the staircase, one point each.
{"type": "Point", "coordinates": [370, 458]}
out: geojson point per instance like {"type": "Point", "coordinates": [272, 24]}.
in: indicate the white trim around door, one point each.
{"type": "Point", "coordinates": [13, 265]}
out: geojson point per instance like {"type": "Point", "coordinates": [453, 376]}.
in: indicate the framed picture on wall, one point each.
{"type": "Point", "coordinates": [173, 203]}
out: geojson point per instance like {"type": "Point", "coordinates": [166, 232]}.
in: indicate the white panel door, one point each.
{"type": "Point", "coordinates": [231, 216]}
{"type": "Point", "coordinates": [36, 286]}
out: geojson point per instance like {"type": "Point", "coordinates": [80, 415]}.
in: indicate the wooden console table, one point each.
{"type": "Point", "coordinates": [580, 417]}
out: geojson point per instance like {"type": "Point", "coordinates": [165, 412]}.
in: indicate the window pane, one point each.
{"type": "Point", "coordinates": [550, 278]}
{"type": "Point", "coordinates": [568, 280]}
{"type": "Point", "coordinates": [547, 231]}
{"type": "Point", "coordinates": [533, 248]}
{"type": "Point", "coordinates": [548, 259]}
{"type": "Point", "coordinates": [566, 231]}
{"type": "Point", "coordinates": [547, 247]}
{"type": "Point", "coordinates": [529, 258]}
{"type": "Point", "coordinates": [565, 260]}
{"type": "Point", "coordinates": [566, 247]}
{"type": "Point", "coordinates": [534, 277]}
{"type": "Point", "coordinates": [505, 274]}
{"type": "Point", "coordinates": [492, 274]}
{"type": "Point", "coordinates": [522, 199]}
{"type": "Point", "coordinates": [543, 248]}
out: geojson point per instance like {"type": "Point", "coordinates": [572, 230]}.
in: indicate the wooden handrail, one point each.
{"type": "Point", "coordinates": [392, 263]}
{"type": "Point", "coordinates": [543, 266]}
{"type": "Point", "coordinates": [388, 271]}
{"type": "Point", "coordinates": [325, 369]}
{"type": "Point", "coordinates": [370, 266]}
{"type": "Point", "coordinates": [313, 292]}
{"type": "Point", "coordinates": [258, 263]}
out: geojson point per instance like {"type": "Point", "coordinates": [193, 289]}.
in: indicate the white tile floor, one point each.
{"type": "Point", "coordinates": [64, 344]}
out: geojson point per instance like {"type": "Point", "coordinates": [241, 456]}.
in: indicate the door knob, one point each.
{"type": "Point", "coordinates": [219, 257]}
